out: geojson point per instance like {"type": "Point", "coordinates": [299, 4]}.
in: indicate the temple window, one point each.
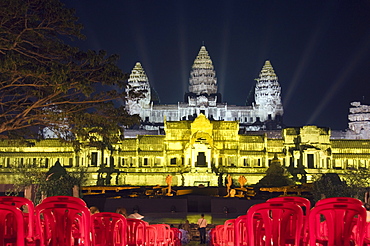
{"type": "Point", "coordinates": [157, 162]}
{"type": "Point", "coordinates": [122, 164]}
{"type": "Point", "coordinates": [337, 164]}
{"type": "Point", "coordinates": [173, 161]}
{"type": "Point", "coordinates": [21, 162]}
{"type": "Point", "coordinates": [245, 162]}
{"type": "Point", "coordinates": [361, 164]}
{"type": "Point", "coordinates": [77, 164]}
{"type": "Point", "coordinates": [70, 163]}
{"type": "Point", "coordinates": [145, 163]}
{"type": "Point", "coordinates": [328, 163]}
{"type": "Point", "coordinates": [310, 161]}
{"type": "Point", "coordinates": [350, 164]}
{"type": "Point", "coordinates": [231, 161]}
{"type": "Point", "coordinates": [94, 159]}
{"type": "Point", "coordinates": [44, 162]}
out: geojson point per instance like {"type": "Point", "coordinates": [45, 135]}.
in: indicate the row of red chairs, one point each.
{"type": "Point", "coordinates": [339, 221]}
{"type": "Point", "coordinates": [66, 221]}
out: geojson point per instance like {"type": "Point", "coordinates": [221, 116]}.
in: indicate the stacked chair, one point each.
{"type": "Point", "coordinates": [66, 221]}
{"type": "Point", "coordinates": [338, 221]}
{"type": "Point", "coordinates": [136, 232]}
{"type": "Point", "coordinates": [17, 221]}
{"type": "Point", "coordinates": [109, 229]}
{"type": "Point", "coordinates": [177, 236]}
{"type": "Point", "coordinates": [282, 221]}
{"type": "Point", "coordinates": [63, 222]}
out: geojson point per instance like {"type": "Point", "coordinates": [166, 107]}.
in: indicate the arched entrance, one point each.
{"type": "Point", "coordinates": [200, 150]}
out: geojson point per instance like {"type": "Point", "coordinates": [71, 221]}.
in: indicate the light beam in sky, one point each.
{"type": "Point", "coordinates": [342, 78]}
{"type": "Point", "coordinates": [225, 43]}
{"type": "Point", "coordinates": [302, 65]}
{"type": "Point", "coordinates": [184, 69]}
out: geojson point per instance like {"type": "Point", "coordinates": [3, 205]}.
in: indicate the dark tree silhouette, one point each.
{"type": "Point", "coordinates": [46, 82]}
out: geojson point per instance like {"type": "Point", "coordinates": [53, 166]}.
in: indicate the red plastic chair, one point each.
{"type": "Point", "coordinates": [136, 232]}
{"type": "Point", "coordinates": [28, 211]}
{"type": "Point", "coordinates": [322, 225]}
{"type": "Point", "coordinates": [340, 219]}
{"type": "Point", "coordinates": [339, 199]}
{"type": "Point", "coordinates": [164, 236]}
{"type": "Point", "coordinates": [212, 237]}
{"type": "Point", "coordinates": [11, 226]}
{"type": "Point", "coordinates": [59, 221]}
{"type": "Point", "coordinates": [108, 229]}
{"type": "Point", "coordinates": [367, 234]}
{"type": "Point", "coordinates": [65, 199]}
{"type": "Point", "coordinates": [240, 229]}
{"type": "Point", "coordinates": [229, 232]}
{"type": "Point", "coordinates": [305, 204]}
{"type": "Point", "coordinates": [177, 236]}
{"type": "Point", "coordinates": [217, 234]}
{"type": "Point", "coordinates": [151, 235]}
{"type": "Point", "coordinates": [277, 219]}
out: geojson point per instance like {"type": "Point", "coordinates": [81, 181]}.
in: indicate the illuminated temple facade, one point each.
{"type": "Point", "coordinates": [265, 112]}
{"type": "Point", "coordinates": [202, 140]}
{"type": "Point", "coordinates": [196, 151]}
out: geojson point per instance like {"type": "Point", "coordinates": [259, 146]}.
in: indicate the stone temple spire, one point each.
{"type": "Point", "coordinates": [268, 92]}
{"type": "Point", "coordinates": [203, 76]}
{"type": "Point", "coordinates": [138, 82]}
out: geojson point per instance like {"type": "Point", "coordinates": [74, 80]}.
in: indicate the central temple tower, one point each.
{"type": "Point", "coordinates": [202, 82]}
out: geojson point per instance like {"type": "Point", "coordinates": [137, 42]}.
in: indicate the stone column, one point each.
{"type": "Point", "coordinates": [209, 158]}
{"type": "Point", "coordinates": [296, 156]}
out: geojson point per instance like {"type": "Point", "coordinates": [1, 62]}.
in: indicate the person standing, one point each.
{"type": "Point", "coordinates": [202, 223]}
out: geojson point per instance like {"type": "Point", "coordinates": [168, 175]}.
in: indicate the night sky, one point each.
{"type": "Point", "coordinates": [320, 49]}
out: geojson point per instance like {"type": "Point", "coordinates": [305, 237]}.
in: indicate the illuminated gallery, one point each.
{"type": "Point", "coordinates": [202, 139]}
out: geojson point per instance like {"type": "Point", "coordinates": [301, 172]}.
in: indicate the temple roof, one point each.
{"type": "Point", "coordinates": [203, 60]}
{"type": "Point", "coordinates": [267, 71]}
{"type": "Point", "coordinates": [138, 74]}
{"type": "Point", "coordinates": [203, 76]}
